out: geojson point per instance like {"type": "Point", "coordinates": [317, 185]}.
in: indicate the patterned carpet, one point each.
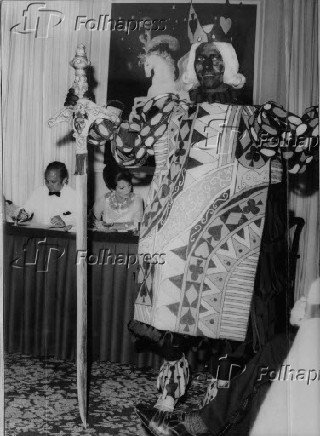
{"type": "Point", "coordinates": [41, 397]}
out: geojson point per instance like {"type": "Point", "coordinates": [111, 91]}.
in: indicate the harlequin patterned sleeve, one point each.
{"type": "Point", "coordinates": [267, 129]}
{"type": "Point", "coordinates": [133, 141]}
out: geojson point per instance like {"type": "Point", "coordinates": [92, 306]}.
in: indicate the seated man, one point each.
{"type": "Point", "coordinates": [53, 204]}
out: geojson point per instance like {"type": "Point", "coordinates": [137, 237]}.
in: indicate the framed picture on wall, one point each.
{"type": "Point", "coordinates": [131, 23]}
{"type": "Point", "coordinates": [189, 23]}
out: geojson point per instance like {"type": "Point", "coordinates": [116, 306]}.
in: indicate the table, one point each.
{"type": "Point", "coordinates": [40, 294]}
{"type": "Point", "coordinates": [40, 298]}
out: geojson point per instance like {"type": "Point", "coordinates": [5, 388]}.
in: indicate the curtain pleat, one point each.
{"type": "Point", "coordinates": [303, 92]}
{"type": "Point", "coordinates": [41, 307]}
{"type": "Point", "coordinates": [36, 78]}
{"type": "Point", "coordinates": [290, 76]}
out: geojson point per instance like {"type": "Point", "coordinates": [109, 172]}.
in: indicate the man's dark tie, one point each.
{"type": "Point", "coordinates": [55, 193]}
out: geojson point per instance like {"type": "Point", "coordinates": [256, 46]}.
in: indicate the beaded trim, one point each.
{"type": "Point", "coordinates": [116, 205]}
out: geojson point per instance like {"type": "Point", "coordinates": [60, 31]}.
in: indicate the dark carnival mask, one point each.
{"type": "Point", "coordinates": [209, 66]}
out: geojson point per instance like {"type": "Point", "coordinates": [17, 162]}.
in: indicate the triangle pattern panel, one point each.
{"type": "Point", "coordinates": [207, 310]}
{"type": "Point", "coordinates": [193, 163]}
{"type": "Point", "coordinates": [202, 310]}
{"type": "Point", "coordinates": [170, 292]}
{"type": "Point", "coordinates": [173, 265]}
{"type": "Point", "coordinates": [255, 238]}
{"type": "Point", "coordinates": [259, 222]}
{"type": "Point", "coordinates": [207, 131]}
{"type": "Point", "coordinates": [209, 325]}
{"type": "Point", "coordinates": [227, 249]}
{"type": "Point", "coordinates": [242, 236]}
{"type": "Point", "coordinates": [193, 285]}
{"type": "Point", "coordinates": [201, 332]}
{"type": "Point", "coordinates": [215, 266]}
{"type": "Point", "coordinates": [174, 308]}
{"type": "Point", "coordinates": [230, 214]}
{"type": "Point", "coordinates": [202, 112]}
{"type": "Point", "coordinates": [178, 242]}
{"type": "Point", "coordinates": [210, 288]}
{"type": "Point", "coordinates": [235, 221]}
{"type": "Point", "coordinates": [203, 156]}
{"type": "Point", "coordinates": [257, 226]}
{"type": "Point", "coordinates": [218, 279]}
{"type": "Point", "coordinates": [206, 287]}
{"type": "Point", "coordinates": [177, 280]}
{"type": "Point", "coordinates": [181, 252]}
{"type": "Point", "coordinates": [240, 233]}
{"type": "Point", "coordinates": [214, 301]}
{"type": "Point", "coordinates": [240, 249]}
{"type": "Point", "coordinates": [197, 136]}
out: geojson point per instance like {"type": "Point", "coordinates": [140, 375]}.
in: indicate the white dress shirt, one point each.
{"type": "Point", "coordinates": [45, 206]}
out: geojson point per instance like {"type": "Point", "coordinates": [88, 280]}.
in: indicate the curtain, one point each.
{"type": "Point", "coordinates": [289, 75]}
{"type": "Point", "coordinates": [36, 76]}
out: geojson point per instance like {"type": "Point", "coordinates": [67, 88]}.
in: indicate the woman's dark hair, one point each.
{"type": "Point", "coordinates": [58, 166]}
{"type": "Point", "coordinates": [123, 176]}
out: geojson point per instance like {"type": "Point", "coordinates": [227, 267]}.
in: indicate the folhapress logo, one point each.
{"type": "Point", "coordinates": [39, 20]}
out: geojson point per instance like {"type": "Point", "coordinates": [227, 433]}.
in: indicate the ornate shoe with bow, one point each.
{"type": "Point", "coordinates": [161, 423]}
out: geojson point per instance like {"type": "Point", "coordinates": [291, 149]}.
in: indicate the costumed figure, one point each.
{"type": "Point", "coordinates": [206, 211]}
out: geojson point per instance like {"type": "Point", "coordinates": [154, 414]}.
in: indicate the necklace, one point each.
{"type": "Point", "coordinates": [116, 204]}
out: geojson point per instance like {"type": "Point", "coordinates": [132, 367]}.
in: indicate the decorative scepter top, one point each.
{"type": "Point", "coordinates": [80, 63]}
{"type": "Point", "coordinates": [82, 111]}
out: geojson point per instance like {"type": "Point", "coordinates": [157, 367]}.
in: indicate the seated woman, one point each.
{"type": "Point", "coordinates": [121, 208]}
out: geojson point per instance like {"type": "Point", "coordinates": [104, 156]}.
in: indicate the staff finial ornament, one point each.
{"type": "Point", "coordinates": [80, 110]}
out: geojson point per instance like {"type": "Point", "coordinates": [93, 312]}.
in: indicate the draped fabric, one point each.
{"type": "Point", "coordinates": [41, 296]}
{"type": "Point", "coordinates": [35, 80]}
{"type": "Point", "coordinates": [303, 90]}
{"type": "Point", "coordinates": [290, 77]}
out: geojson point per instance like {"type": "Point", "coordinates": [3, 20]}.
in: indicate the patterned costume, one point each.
{"type": "Point", "coordinates": [206, 205]}
{"type": "Point", "coordinates": [205, 212]}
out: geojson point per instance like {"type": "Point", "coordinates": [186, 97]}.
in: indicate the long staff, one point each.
{"type": "Point", "coordinates": [82, 115]}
